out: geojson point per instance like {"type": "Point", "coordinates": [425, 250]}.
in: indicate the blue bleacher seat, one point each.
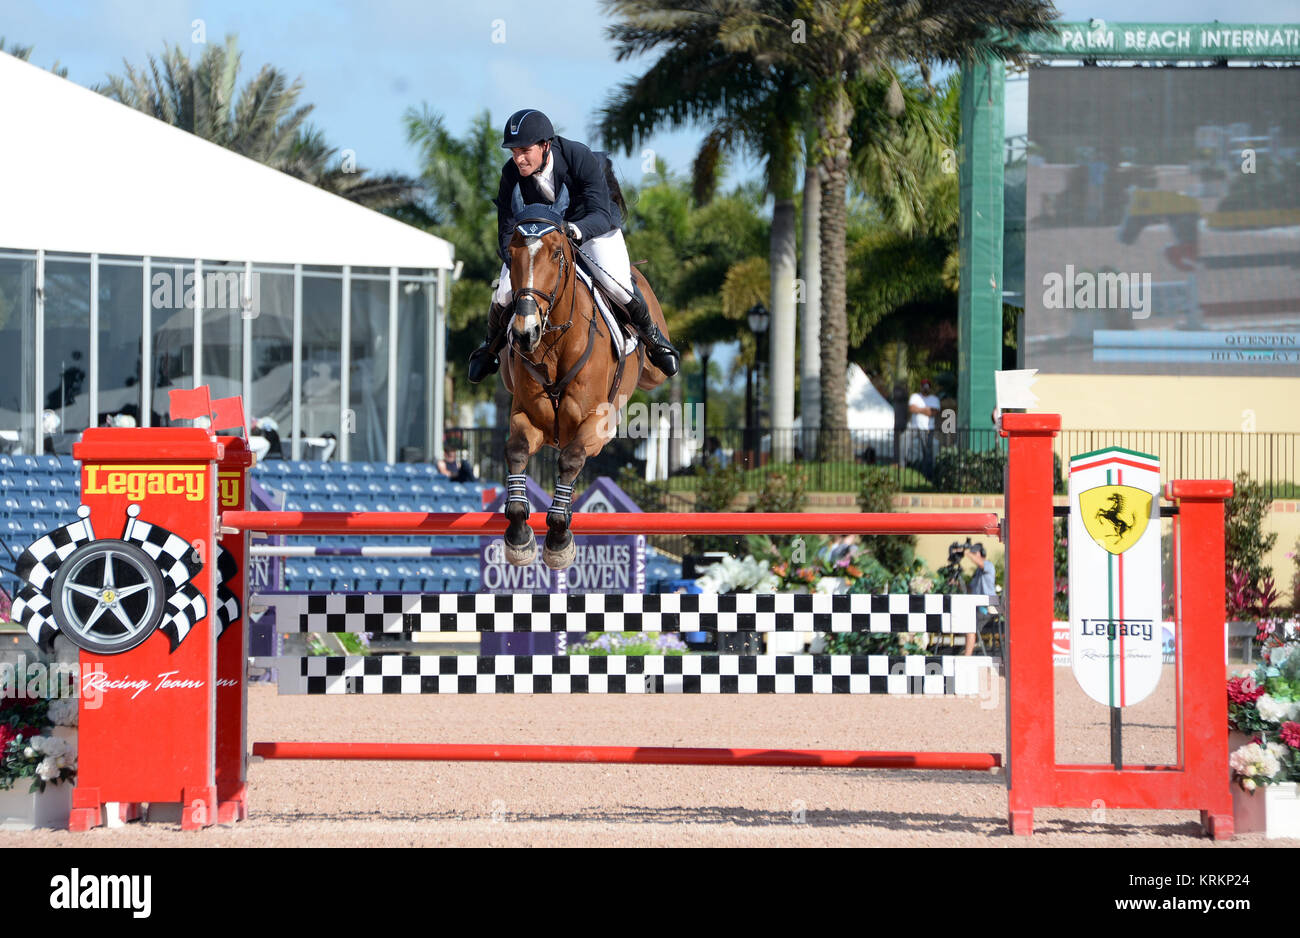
{"type": "Point", "coordinates": [339, 506]}
{"type": "Point", "coordinates": [425, 506]}
{"type": "Point", "coordinates": [375, 488]}
{"type": "Point", "coordinates": [286, 485]}
{"type": "Point", "coordinates": [330, 487]}
{"type": "Point", "coordinates": [387, 579]}
{"type": "Point", "coordinates": [352, 487]}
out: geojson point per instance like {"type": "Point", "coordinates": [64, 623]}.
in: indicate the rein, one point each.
{"type": "Point", "coordinates": [555, 390]}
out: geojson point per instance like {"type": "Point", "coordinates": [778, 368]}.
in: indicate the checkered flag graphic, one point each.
{"type": "Point", "coordinates": [176, 557]}
{"type": "Point", "coordinates": [227, 601]}
{"type": "Point", "coordinates": [37, 565]}
{"type": "Point", "coordinates": [185, 607]}
{"type": "Point", "coordinates": [31, 610]}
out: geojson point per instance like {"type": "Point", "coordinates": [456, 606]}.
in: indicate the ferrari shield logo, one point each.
{"type": "Point", "coordinates": [1115, 516]}
{"type": "Point", "coordinates": [1116, 640]}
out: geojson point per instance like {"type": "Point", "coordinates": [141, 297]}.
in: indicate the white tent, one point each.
{"type": "Point", "coordinates": [867, 408]}
{"type": "Point", "coordinates": [869, 413]}
{"type": "Point", "coordinates": [85, 174]}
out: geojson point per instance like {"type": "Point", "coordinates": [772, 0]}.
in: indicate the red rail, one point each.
{"type": "Point", "coordinates": [722, 522]}
{"type": "Point", "coordinates": [645, 755]}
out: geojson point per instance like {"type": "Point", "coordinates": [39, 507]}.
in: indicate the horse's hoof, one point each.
{"type": "Point", "coordinates": [560, 559]}
{"type": "Point", "coordinates": [523, 555]}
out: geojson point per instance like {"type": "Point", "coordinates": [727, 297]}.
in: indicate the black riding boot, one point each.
{"type": "Point", "coordinates": [483, 360]}
{"type": "Point", "coordinates": [660, 351]}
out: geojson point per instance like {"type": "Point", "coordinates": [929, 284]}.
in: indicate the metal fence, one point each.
{"type": "Point", "coordinates": [961, 461]}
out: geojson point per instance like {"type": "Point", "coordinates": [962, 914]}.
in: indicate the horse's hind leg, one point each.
{"type": "Point", "coordinates": [525, 440]}
{"type": "Point", "coordinates": [558, 551]}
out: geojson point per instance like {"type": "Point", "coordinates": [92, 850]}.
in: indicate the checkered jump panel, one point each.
{"type": "Point", "coordinates": [631, 674]}
{"type": "Point", "coordinates": [653, 612]}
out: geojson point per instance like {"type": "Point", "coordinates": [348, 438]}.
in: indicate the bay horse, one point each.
{"type": "Point", "coordinates": [567, 385]}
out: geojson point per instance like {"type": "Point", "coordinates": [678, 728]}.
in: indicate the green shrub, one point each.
{"type": "Point", "coordinates": [968, 471]}
{"type": "Point", "coordinates": [784, 489]}
{"type": "Point", "coordinates": [1245, 544]}
{"type": "Point", "coordinates": [876, 492]}
{"type": "Point", "coordinates": [716, 489]}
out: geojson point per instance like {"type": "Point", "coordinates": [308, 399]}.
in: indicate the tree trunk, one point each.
{"type": "Point", "coordinates": [833, 443]}
{"type": "Point", "coordinates": [676, 433]}
{"type": "Point", "coordinates": [810, 361]}
{"type": "Point", "coordinates": [784, 257]}
{"type": "Point", "coordinates": [900, 397]}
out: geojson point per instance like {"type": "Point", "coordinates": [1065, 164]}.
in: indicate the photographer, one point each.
{"type": "Point", "coordinates": [982, 583]}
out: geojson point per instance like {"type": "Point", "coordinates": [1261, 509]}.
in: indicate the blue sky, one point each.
{"type": "Point", "coordinates": [363, 64]}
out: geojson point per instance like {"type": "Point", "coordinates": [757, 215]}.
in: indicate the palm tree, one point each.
{"type": "Point", "coordinates": [835, 44]}
{"type": "Point", "coordinates": [696, 81]}
{"type": "Point", "coordinates": [24, 54]}
{"type": "Point", "coordinates": [262, 122]}
{"type": "Point", "coordinates": [460, 177]}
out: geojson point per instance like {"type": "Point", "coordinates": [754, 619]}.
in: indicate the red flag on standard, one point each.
{"type": "Point", "coordinates": [227, 413]}
{"type": "Point", "coordinates": [187, 405]}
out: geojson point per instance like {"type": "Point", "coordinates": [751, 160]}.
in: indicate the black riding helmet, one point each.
{"type": "Point", "coordinates": [526, 127]}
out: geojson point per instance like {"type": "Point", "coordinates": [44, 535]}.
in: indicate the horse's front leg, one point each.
{"type": "Point", "coordinates": [558, 551]}
{"type": "Point", "coordinates": [524, 441]}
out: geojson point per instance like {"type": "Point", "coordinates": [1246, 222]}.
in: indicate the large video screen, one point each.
{"type": "Point", "coordinates": [1162, 220]}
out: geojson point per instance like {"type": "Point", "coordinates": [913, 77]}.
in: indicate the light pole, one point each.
{"type": "Point", "coordinates": [759, 319]}
{"type": "Point", "coordinates": [704, 350]}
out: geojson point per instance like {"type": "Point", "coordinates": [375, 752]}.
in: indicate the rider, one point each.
{"type": "Point", "coordinates": [540, 164]}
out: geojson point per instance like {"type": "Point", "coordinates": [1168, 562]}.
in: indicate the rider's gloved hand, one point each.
{"type": "Point", "coordinates": [574, 233]}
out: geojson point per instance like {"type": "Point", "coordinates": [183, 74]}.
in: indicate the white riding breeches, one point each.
{"type": "Point", "coordinates": [604, 257]}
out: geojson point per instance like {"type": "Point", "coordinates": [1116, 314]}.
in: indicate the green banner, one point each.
{"type": "Point", "coordinates": [1169, 40]}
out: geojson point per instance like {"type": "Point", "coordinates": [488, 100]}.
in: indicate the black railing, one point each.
{"type": "Point", "coordinates": [965, 461]}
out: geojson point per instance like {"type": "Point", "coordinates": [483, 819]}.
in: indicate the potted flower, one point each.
{"type": "Point", "coordinates": [1264, 715]}
{"type": "Point", "coordinates": [38, 762]}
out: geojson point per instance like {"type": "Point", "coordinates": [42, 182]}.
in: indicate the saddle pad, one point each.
{"type": "Point", "coordinates": [623, 343]}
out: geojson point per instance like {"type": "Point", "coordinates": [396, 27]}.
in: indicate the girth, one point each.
{"type": "Point", "coordinates": [555, 390]}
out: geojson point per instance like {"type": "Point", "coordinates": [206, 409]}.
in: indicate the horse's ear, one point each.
{"type": "Point", "coordinates": [562, 201]}
{"type": "Point", "coordinates": [517, 202]}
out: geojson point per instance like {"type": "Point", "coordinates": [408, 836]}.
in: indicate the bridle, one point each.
{"type": "Point", "coordinates": [554, 389]}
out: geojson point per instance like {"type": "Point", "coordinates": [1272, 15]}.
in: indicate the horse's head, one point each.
{"type": "Point", "coordinates": [540, 264]}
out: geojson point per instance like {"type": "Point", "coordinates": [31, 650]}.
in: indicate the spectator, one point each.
{"type": "Point", "coordinates": [713, 452]}
{"type": "Point", "coordinates": [457, 470]}
{"type": "Point", "coordinates": [265, 442]}
{"type": "Point", "coordinates": [923, 406]}
{"type": "Point", "coordinates": [982, 583]}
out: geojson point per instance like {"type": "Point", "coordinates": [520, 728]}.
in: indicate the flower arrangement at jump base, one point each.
{"type": "Point", "coordinates": [29, 749]}
{"type": "Point", "coordinates": [630, 643]}
{"type": "Point", "coordinates": [1265, 705]}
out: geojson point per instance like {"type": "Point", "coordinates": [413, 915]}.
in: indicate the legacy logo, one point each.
{"type": "Point", "coordinates": [102, 891]}
{"type": "Point", "coordinates": [228, 484]}
{"type": "Point", "coordinates": [136, 482]}
{"type": "Point", "coordinates": [1110, 290]}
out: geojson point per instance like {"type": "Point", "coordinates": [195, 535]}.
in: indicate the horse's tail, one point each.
{"type": "Point", "coordinates": [615, 190]}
